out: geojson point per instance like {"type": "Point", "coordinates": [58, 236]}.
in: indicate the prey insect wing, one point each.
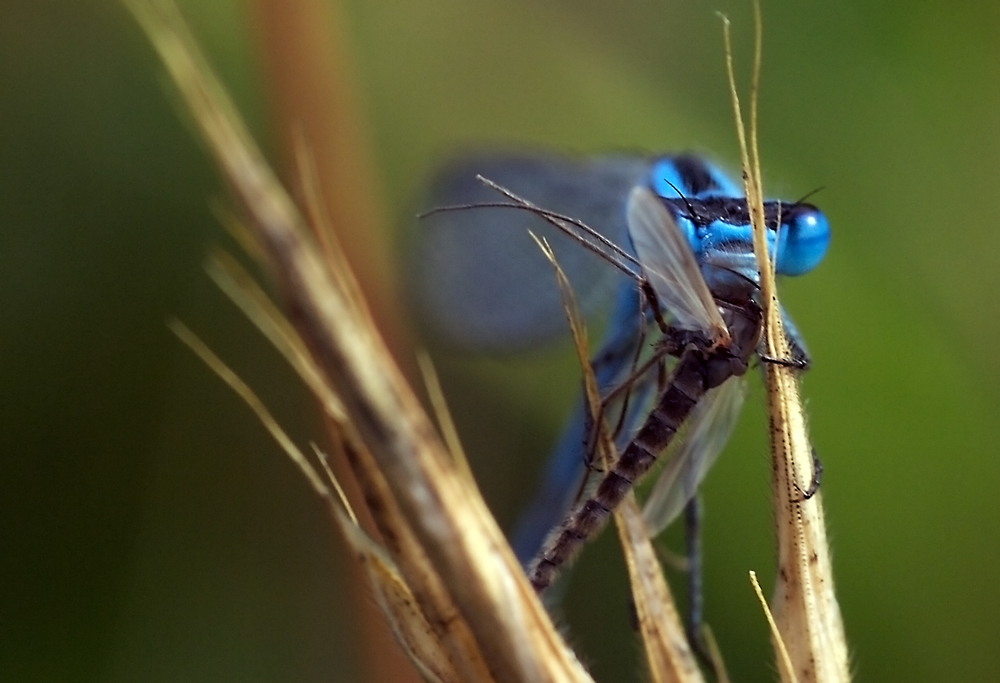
{"type": "Point", "coordinates": [670, 266]}
{"type": "Point", "coordinates": [693, 453]}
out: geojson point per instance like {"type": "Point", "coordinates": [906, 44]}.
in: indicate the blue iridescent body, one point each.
{"type": "Point", "coordinates": [481, 283]}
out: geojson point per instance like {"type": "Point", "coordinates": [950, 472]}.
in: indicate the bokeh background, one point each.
{"type": "Point", "coordinates": [150, 530]}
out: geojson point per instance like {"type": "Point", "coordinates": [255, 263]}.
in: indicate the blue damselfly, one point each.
{"type": "Point", "coordinates": [481, 283]}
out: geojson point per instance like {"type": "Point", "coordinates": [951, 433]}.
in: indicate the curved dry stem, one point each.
{"type": "Point", "coordinates": [448, 548]}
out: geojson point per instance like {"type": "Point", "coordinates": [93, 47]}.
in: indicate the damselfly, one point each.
{"type": "Point", "coordinates": [482, 283]}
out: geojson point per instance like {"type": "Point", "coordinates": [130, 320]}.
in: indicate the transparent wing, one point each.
{"type": "Point", "coordinates": [670, 265]}
{"type": "Point", "coordinates": [694, 452]}
{"type": "Point", "coordinates": [477, 278]}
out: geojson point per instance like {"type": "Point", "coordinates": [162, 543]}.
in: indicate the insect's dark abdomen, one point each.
{"type": "Point", "coordinates": [698, 370]}
{"type": "Point", "coordinates": [685, 390]}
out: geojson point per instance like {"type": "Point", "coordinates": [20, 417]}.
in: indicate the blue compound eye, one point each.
{"type": "Point", "coordinates": [804, 240]}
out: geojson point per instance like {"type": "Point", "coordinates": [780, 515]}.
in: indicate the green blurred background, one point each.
{"type": "Point", "coordinates": [150, 530]}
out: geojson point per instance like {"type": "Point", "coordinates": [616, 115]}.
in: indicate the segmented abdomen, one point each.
{"type": "Point", "coordinates": [687, 386]}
